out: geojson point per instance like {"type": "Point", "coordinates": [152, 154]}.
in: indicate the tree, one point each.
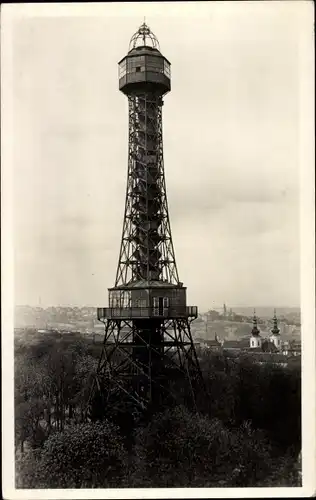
{"type": "Point", "coordinates": [28, 416]}
{"type": "Point", "coordinates": [182, 449]}
{"type": "Point", "coordinates": [247, 431]}
{"type": "Point", "coordinates": [82, 456]}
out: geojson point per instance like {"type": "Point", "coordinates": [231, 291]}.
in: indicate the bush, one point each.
{"type": "Point", "coordinates": [182, 449]}
{"type": "Point", "coordinates": [82, 456]}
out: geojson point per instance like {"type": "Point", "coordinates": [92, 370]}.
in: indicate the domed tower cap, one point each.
{"type": "Point", "coordinates": [144, 37]}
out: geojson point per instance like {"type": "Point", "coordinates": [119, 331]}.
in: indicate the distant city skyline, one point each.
{"type": "Point", "coordinates": [231, 146]}
{"type": "Point", "coordinates": [201, 310]}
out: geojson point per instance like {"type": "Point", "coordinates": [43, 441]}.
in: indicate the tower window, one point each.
{"type": "Point", "coordinates": [138, 68]}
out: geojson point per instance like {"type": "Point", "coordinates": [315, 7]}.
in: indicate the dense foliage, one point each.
{"type": "Point", "coordinates": [80, 456]}
{"type": "Point", "coordinates": [246, 430]}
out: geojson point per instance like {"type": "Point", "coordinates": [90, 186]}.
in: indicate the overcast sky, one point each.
{"type": "Point", "coordinates": [231, 149]}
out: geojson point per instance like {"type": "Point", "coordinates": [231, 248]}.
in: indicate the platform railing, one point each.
{"type": "Point", "coordinates": [147, 312]}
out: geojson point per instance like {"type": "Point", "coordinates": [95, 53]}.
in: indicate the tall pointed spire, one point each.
{"type": "Point", "coordinates": [255, 339]}
{"type": "Point", "coordinates": [255, 330]}
{"type": "Point", "coordinates": [275, 330]}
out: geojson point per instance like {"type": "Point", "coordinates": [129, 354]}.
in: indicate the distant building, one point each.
{"type": "Point", "coordinates": [236, 345]}
{"type": "Point", "coordinates": [296, 347]}
{"type": "Point", "coordinates": [212, 315]}
{"type": "Point", "coordinates": [292, 348]}
{"type": "Point", "coordinates": [213, 344]}
{"type": "Point", "coordinates": [268, 349]}
{"type": "Point", "coordinates": [268, 346]}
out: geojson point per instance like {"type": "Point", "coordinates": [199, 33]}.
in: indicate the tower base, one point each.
{"type": "Point", "coordinates": [144, 365]}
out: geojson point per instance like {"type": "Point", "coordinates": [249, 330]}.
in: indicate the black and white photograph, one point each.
{"type": "Point", "coordinates": [158, 329]}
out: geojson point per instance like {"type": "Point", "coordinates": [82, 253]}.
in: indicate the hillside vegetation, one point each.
{"type": "Point", "coordinates": [245, 431]}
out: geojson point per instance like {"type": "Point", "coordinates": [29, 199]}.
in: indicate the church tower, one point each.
{"type": "Point", "coordinates": [255, 339]}
{"type": "Point", "coordinates": [275, 337]}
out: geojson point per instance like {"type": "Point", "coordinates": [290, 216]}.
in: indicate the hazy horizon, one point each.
{"type": "Point", "coordinates": [215, 308]}
{"type": "Point", "coordinates": [231, 151]}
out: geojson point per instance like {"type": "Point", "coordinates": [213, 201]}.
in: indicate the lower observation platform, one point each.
{"type": "Point", "coordinates": [125, 313]}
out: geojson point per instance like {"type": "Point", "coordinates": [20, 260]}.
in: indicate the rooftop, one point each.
{"type": "Point", "coordinates": [236, 344]}
{"type": "Point", "coordinates": [212, 343]}
{"type": "Point", "coordinates": [232, 344]}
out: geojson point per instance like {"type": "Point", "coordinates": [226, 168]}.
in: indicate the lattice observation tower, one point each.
{"type": "Point", "coordinates": [148, 344]}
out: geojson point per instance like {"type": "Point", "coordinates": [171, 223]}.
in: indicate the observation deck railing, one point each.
{"type": "Point", "coordinates": [147, 312]}
{"type": "Point", "coordinates": [142, 77]}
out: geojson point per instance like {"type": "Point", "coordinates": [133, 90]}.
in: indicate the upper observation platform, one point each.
{"type": "Point", "coordinates": [144, 68]}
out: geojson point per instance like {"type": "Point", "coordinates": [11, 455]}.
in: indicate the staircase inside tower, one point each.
{"type": "Point", "coordinates": [146, 250]}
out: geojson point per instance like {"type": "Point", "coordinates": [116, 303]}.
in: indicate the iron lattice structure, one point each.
{"type": "Point", "coordinates": [146, 249]}
{"type": "Point", "coordinates": [148, 348]}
